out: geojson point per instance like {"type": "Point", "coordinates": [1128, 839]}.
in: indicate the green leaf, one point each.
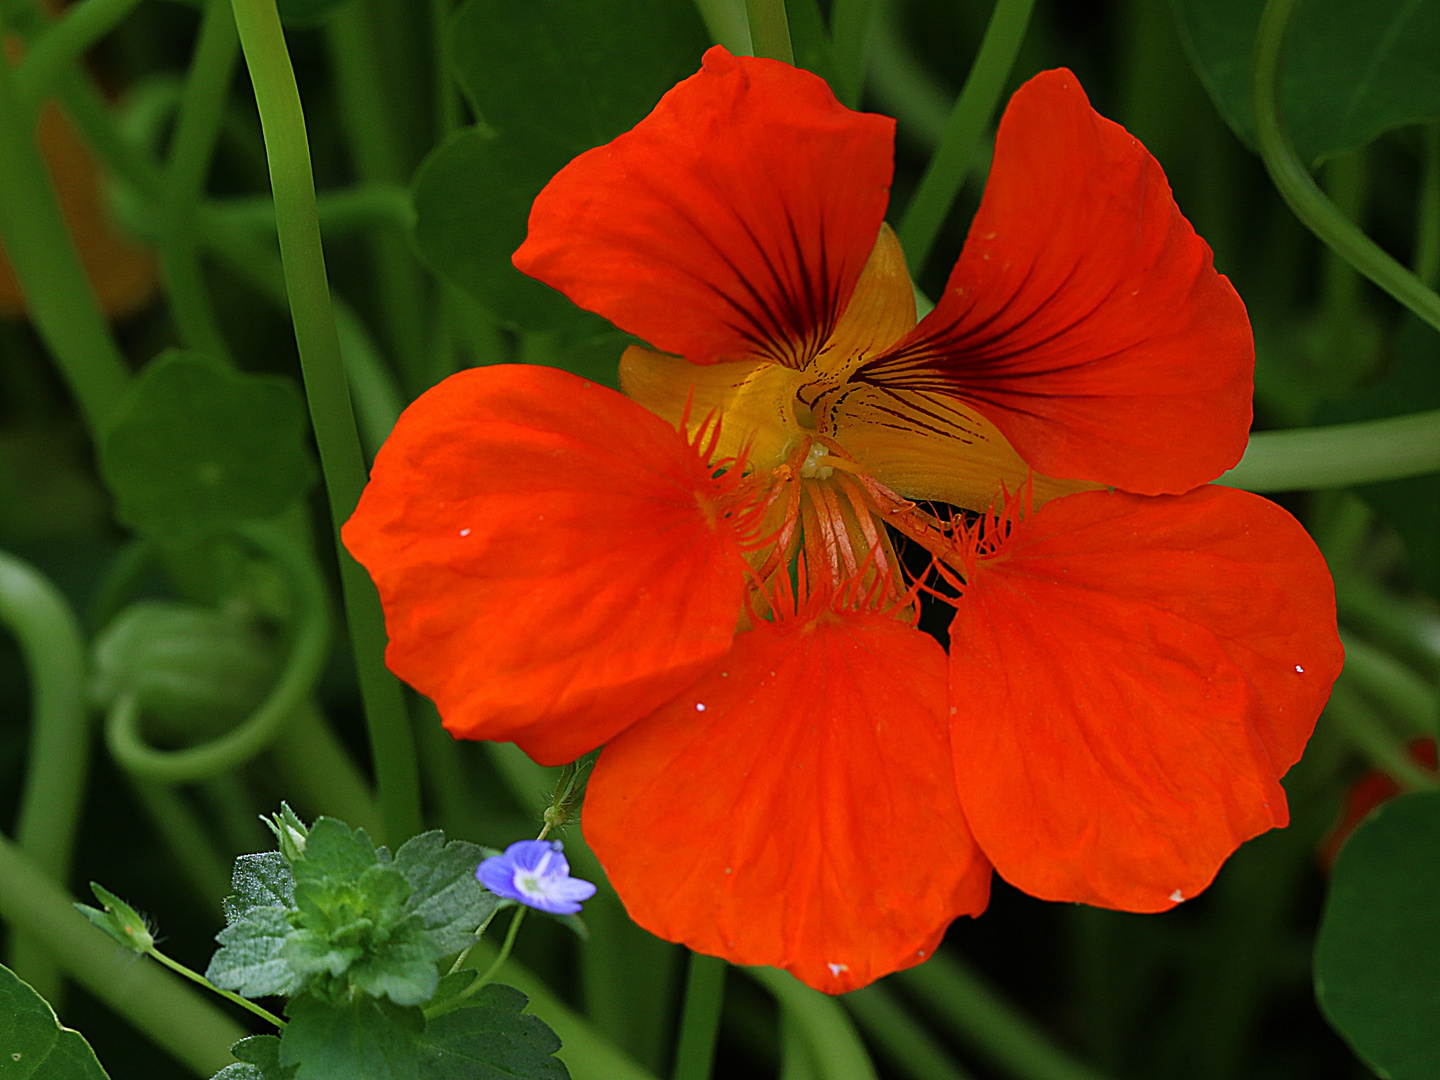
{"type": "Point", "coordinates": [195, 450]}
{"type": "Point", "coordinates": [550, 79]}
{"type": "Point", "coordinates": [491, 1039]}
{"type": "Point", "coordinates": [572, 74]}
{"type": "Point", "coordinates": [335, 852]}
{"type": "Point", "coordinates": [1411, 506]}
{"type": "Point", "coordinates": [252, 959]}
{"type": "Point", "coordinates": [1349, 71]}
{"type": "Point", "coordinates": [1377, 957]}
{"type": "Point", "coordinates": [257, 1058]}
{"type": "Point", "coordinates": [444, 893]}
{"type": "Point", "coordinates": [121, 921]}
{"type": "Point", "coordinates": [471, 249]}
{"type": "Point", "coordinates": [36, 1046]}
{"type": "Point", "coordinates": [363, 1039]}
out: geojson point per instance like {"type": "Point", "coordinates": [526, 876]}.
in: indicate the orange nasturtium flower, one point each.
{"type": "Point", "coordinates": [701, 577]}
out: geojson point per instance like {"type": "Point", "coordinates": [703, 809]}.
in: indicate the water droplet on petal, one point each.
{"type": "Point", "coordinates": [464, 532]}
{"type": "Point", "coordinates": [1177, 896]}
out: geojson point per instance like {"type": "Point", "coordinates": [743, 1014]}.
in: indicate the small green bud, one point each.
{"type": "Point", "coordinates": [121, 921]}
{"type": "Point", "coordinates": [290, 832]}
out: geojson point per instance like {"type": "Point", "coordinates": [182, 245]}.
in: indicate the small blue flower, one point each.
{"type": "Point", "coordinates": [535, 873]}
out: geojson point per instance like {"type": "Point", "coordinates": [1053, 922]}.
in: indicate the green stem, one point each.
{"type": "Point", "coordinates": [371, 129]}
{"type": "Point", "coordinates": [363, 208]}
{"type": "Point", "coordinates": [835, 1046]}
{"type": "Point", "coordinates": [61, 303]}
{"type": "Point", "coordinates": [161, 1006]}
{"type": "Point", "coordinates": [1408, 629]}
{"type": "Point", "coordinates": [65, 41]}
{"type": "Point", "coordinates": [1340, 455]}
{"type": "Point", "coordinates": [1299, 190]}
{"type": "Point", "coordinates": [200, 980]}
{"type": "Point", "coordinates": [587, 1053]}
{"type": "Point", "coordinates": [1369, 734]}
{"type": "Point", "coordinates": [1427, 230]}
{"type": "Point", "coordinates": [441, 1007]}
{"type": "Point", "coordinates": [700, 1018]}
{"type": "Point", "coordinates": [197, 129]}
{"type": "Point", "coordinates": [850, 31]}
{"type": "Point", "coordinates": [54, 649]}
{"type": "Point", "coordinates": [797, 1061]}
{"type": "Point", "coordinates": [728, 24]}
{"type": "Point", "coordinates": [283, 123]}
{"type": "Point", "coordinates": [316, 766]}
{"type": "Point", "coordinates": [901, 84]}
{"type": "Point", "coordinates": [1392, 685]}
{"type": "Point", "coordinates": [770, 29]}
{"type": "Point", "coordinates": [967, 125]}
{"type": "Point", "coordinates": [976, 1013]}
{"type": "Point", "coordinates": [263, 726]}
{"type": "Point", "coordinates": [899, 1036]}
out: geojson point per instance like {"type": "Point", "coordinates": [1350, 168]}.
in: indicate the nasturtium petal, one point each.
{"type": "Point", "coordinates": [1130, 677]}
{"type": "Point", "coordinates": [734, 221]}
{"type": "Point", "coordinates": [551, 557]}
{"type": "Point", "coordinates": [792, 808]}
{"type": "Point", "coordinates": [1085, 319]}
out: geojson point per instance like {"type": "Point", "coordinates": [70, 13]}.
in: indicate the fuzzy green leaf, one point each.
{"type": "Point", "coordinates": [35, 1044]}
{"type": "Point", "coordinates": [195, 449]}
{"type": "Point", "coordinates": [256, 1058]}
{"type": "Point", "coordinates": [491, 1039]}
{"type": "Point", "coordinates": [364, 1039]}
{"type": "Point", "coordinates": [443, 890]}
{"type": "Point", "coordinates": [252, 958]}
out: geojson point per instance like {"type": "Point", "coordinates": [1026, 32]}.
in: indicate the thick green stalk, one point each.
{"type": "Point", "coordinates": [700, 1018]}
{"type": "Point", "coordinates": [168, 1012]}
{"type": "Point", "coordinates": [54, 649]}
{"type": "Point", "coordinates": [900, 1037]}
{"type": "Point", "coordinates": [980, 1016]}
{"type": "Point", "coordinates": [197, 129]}
{"type": "Point", "coordinates": [835, 1046]}
{"type": "Point", "coordinates": [967, 125]}
{"type": "Point", "coordinates": [61, 303]}
{"type": "Point", "coordinates": [1299, 189]}
{"type": "Point", "coordinates": [447, 94]}
{"type": "Point", "coordinates": [368, 113]}
{"type": "Point", "coordinates": [850, 31]}
{"type": "Point", "coordinates": [1340, 455]}
{"type": "Point", "coordinates": [64, 42]}
{"type": "Point", "coordinates": [287, 148]}
{"type": "Point", "coordinates": [770, 29]}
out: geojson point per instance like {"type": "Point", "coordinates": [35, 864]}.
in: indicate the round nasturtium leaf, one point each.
{"type": "Point", "coordinates": [195, 449]}
{"type": "Point", "coordinates": [1377, 959]}
{"type": "Point", "coordinates": [1348, 72]}
{"type": "Point", "coordinates": [33, 1042]}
